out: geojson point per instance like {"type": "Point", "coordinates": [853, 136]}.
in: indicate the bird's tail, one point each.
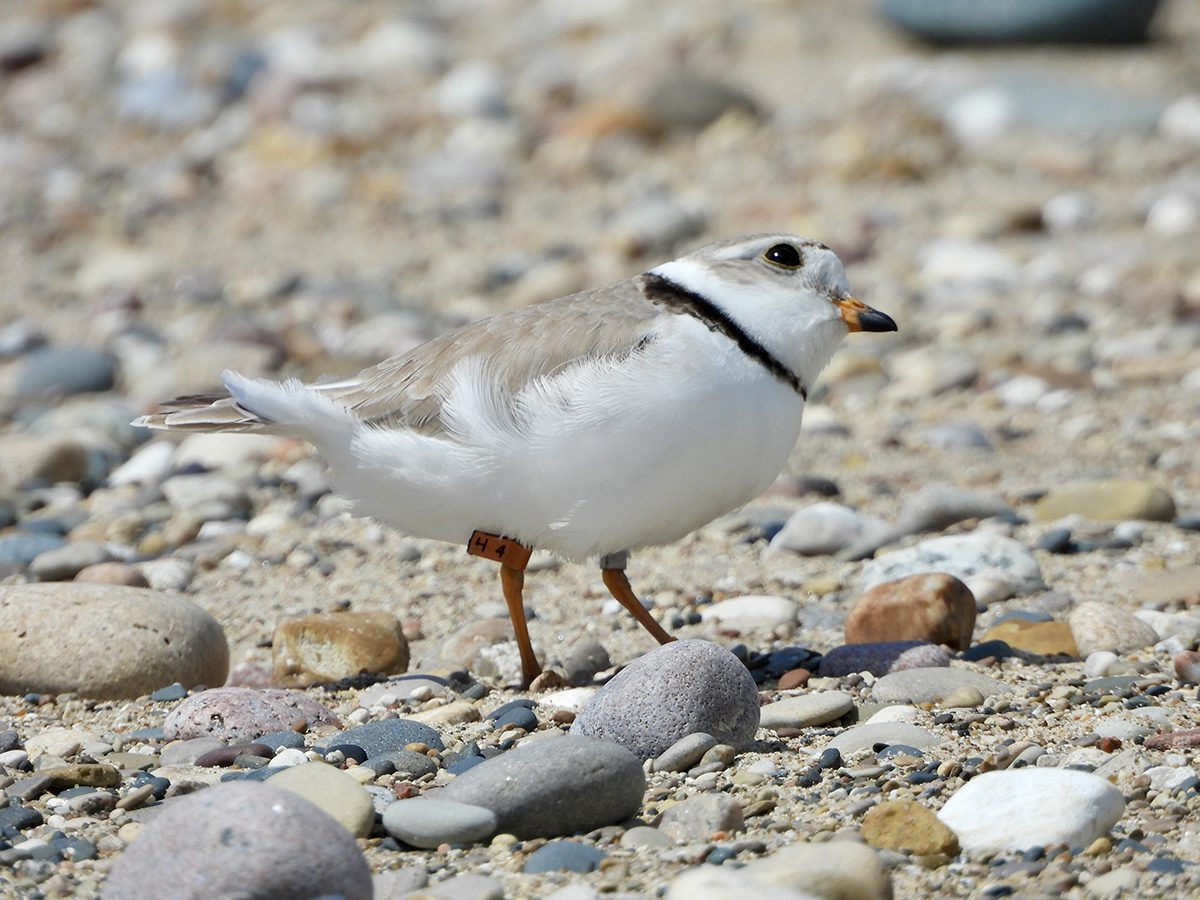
{"type": "Point", "coordinates": [253, 405]}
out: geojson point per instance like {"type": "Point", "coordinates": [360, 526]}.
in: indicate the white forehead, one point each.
{"type": "Point", "coordinates": [821, 265]}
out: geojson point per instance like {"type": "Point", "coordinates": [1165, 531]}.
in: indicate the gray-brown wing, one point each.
{"type": "Point", "coordinates": [520, 346]}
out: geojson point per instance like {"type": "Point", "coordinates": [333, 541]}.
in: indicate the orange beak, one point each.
{"type": "Point", "coordinates": [860, 317]}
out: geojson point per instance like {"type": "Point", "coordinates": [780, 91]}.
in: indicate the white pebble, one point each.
{"type": "Point", "coordinates": [287, 756]}
{"type": "Point", "coordinates": [1098, 664]}
{"type": "Point", "coordinates": [1173, 215]}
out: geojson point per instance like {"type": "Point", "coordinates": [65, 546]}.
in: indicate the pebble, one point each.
{"type": "Point", "coordinates": [331, 646]}
{"type": "Point", "coordinates": [1097, 625]}
{"type": "Point", "coordinates": [1020, 23]}
{"type": "Point", "coordinates": [968, 557]}
{"type": "Point", "coordinates": [385, 736]}
{"type": "Point", "coordinates": [428, 822]}
{"type": "Point", "coordinates": [1099, 663]}
{"type": "Point", "coordinates": [186, 752]}
{"type": "Point", "coordinates": [955, 436]}
{"type": "Point", "coordinates": [564, 856]}
{"type": "Point", "coordinates": [828, 528]}
{"type": "Point", "coordinates": [673, 691]}
{"type": "Point", "coordinates": [466, 887]}
{"type": "Point", "coordinates": [936, 507]}
{"type": "Point", "coordinates": [65, 370]}
{"type": "Point", "coordinates": [935, 607]}
{"type": "Point", "coordinates": [1015, 809]}
{"type": "Point", "coordinates": [698, 818]}
{"type": "Point", "coordinates": [112, 573]}
{"type": "Point", "coordinates": [241, 839]}
{"type": "Point", "coordinates": [932, 685]}
{"type": "Point", "coordinates": [864, 737]}
{"type": "Point", "coordinates": [750, 613]}
{"type": "Point", "coordinates": [806, 711]}
{"type": "Point", "coordinates": [18, 550]}
{"type": "Point", "coordinates": [645, 836]}
{"type": "Point", "coordinates": [722, 883]}
{"type": "Point", "coordinates": [65, 562]}
{"type": "Point", "coordinates": [684, 753]}
{"type": "Point", "coordinates": [49, 634]}
{"type": "Point", "coordinates": [333, 791]}
{"type": "Point", "coordinates": [908, 827]}
{"type": "Point", "coordinates": [1107, 501]}
{"type": "Point", "coordinates": [585, 659]}
{"type": "Point", "coordinates": [1187, 666]}
{"type": "Point", "coordinates": [880, 659]}
{"type": "Point", "coordinates": [689, 101]}
{"type": "Point", "coordinates": [554, 786]}
{"type": "Point", "coordinates": [239, 714]}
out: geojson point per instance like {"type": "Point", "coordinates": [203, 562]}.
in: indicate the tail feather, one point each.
{"type": "Point", "coordinates": [254, 405]}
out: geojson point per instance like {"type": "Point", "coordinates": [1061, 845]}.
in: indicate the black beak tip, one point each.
{"type": "Point", "coordinates": [874, 320]}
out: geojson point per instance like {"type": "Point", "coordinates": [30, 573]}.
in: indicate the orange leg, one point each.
{"type": "Point", "coordinates": [513, 580]}
{"type": "Point", "coordinates": [618, 585]}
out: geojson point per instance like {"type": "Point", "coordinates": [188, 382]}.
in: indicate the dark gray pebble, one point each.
{"type": "Point", "coordinates": [171, 692]}
{"type": "Point", "coordinates": [19, 817]}
{"type": "Point", "coordinates": [377, 738]}
{"type": "Point", "coordinates": [277, 739]}
{"type": "Point", "coordinates": [65, 370]}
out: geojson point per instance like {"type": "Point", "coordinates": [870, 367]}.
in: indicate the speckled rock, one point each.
{"type": "Point", "coordinates": [880, 659]}
{"type": "Point", "coordinates": [241, 714]}
{"type": "Point", "coordinates": [1016, 809]}
{"type": "Point", "coordinates": [699, 818]}
{"type": "Point", "coordinates": [329, 646]}
{"type": "Point", "coordinates": [1113, 501]}
{"type": "Point", "coordinates": [933, 607]}
{"type": "Point", "coordinates": [105, 641]}
{"type": "Point", "coordinates": [254, 841]}
{"type": "Point", "coordinates": [1102, 626]}
{"type": "Point", "coordinates": [554, 786]}
{"type": "Point", "coordinates": [672, 691]}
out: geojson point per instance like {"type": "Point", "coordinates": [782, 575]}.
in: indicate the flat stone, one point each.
{"type": "Point", "coordinates": [755, 611]}
{"type": "Point", "coordinates": [105, 641]}
{"type": "Point", "coordinates": [333, 791]}
{"type": "Point", "coordinates": [1015, 809]}
{"type": "Point", "coordinates": [1042, 638]}
{"type": "Point", "coordinates": [240, 715]}
{"type": "Point", "coordinates": [186, 752]}
{"type": "Point", "coordinates": [428, 822]}
{"type": "Point", "coordinates": [63, 563]}
{"type": "Point", "coordinates": [466, 887]}
{"type": "Point", "coordinates": [864, 737]}
{"type": "Point", "coordinates": [723, 883]}
{"type": "Point", "coordinates": [933, 607]}
{"type": "Point", "coordinates": [806, 710]}
{"type": "Point", "coordinates": [972, 558]}
{"type": "Point", "coordinates": [564, 856]}
{"type": "Point", "coordinates": [19, 549]}
{"type": "Point", "coordinates": [833, 869]}
{"type": "Point", "coordinates": [65, 370]}
{"type": "Point", "coordinates": [1114, 500]}
{"type": "Point", "coordinates": [1111, 885]}
{"type": "Point", "coordinates": [244, 839]}
{"type": "Point", "coordinates": [684, 753]}
{"type": "Point", "coordinates": [932, 685]}
{"type": "Point", "coordinates": [673, 691]}
{"type": "Point", "coordinates": [908, 827]}
{"type": "Point", "coordinates": [827, 528]}
{"type": "Point", "coordinates": [554, 786]}
{"type": "Point", "coordinates": [455, 713]}
{"type": "Point", "coordinates": [90, 774]}
{"type": "Point", "coordinates": [938, 506]}
{"type": "Point", "coordinates": [330, 646]}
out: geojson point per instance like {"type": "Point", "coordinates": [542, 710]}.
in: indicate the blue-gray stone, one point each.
{"type": "Point", "coordinates": [386, 735]}
{"type": "Point", "coordinates": [505, 708]}
{"type": "Point", "coordinates": [73, 848]}
{"type": "Point", "coordinates": [19, 817]}
{"type": "Point", "coordinates": [171, 692]}
{"type": "Point", "coordinates": [9, 740]}
{"type": "Point", "coordinates": [19, 550]}
{"type": "Point", "coordinates": [429, 822]}
{"type": "Point", "coordinates": [554, 786]}
{"type": "Point", "coordinates": [65, 370]}
{"type": "Point", "coordinates": [405, 763]}
{"type": "Point", "coordinates": [569, 856]}
{"type": "Point", "coordinates": [673, 691]}
{"type": "Point", "coordinates": [517, 718]}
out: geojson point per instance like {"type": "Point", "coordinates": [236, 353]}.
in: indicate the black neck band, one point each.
{"type": "Point", "coordinates": [675, 297]}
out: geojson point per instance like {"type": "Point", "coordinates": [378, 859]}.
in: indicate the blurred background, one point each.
{"type": "Point", "coordinates": [308, 187]}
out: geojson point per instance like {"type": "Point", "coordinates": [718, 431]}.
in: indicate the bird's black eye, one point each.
{"type": "Point", "coordinates": [784, 255]}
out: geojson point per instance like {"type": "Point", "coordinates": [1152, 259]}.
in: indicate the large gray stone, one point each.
{"type": "Point", "coordinates": [240, 839]}
{"type": "Point", "coordinates": [429, 822]}
{"type": "Point", "coordinates": [554, 786]}
{"type": "Point", "coordinates": [105, 641]}
{"type": "Point", "coordinates": [675, 690]}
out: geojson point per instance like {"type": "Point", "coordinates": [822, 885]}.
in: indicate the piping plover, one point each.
{"type": "Point", "coordinates": [591, 425]}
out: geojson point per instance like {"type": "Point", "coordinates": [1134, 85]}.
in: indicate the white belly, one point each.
{"type": "Point", "coordinates": [612, 457]}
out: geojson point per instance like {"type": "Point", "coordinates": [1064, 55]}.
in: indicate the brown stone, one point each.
{"type": "Point", "coordinates": [1107, 501]}
{"type": "Point", "coordinates": [908, 827]}
{"type": "Point", "coordinates": [330, 646]}
{"type": "Point", "coordinates": [549, 680]}
{"type": "Point", "coordinates": [1042, 638]}
{"type": "Point", "coordinates": [934, 607]}
{"type": "Point", "coordinates": [1187, 666]}
{"type": "Point", "coordinates": [28, 457]}
{"type": "Point", "coordinates": [112, 573]}
{"type": "Point", "coordinates": [796, 678]}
